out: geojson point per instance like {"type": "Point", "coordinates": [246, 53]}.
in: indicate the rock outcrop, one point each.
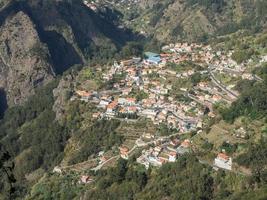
{"type": "Point", "coordinates": [24, 59]}
{"type": "Point", "coordinates": [40, 39]}
{"type": "Point", "coordinates": [61, 95]}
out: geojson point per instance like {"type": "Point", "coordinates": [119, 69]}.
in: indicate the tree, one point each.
{"type": "Point", "coordinates": [132, 49]}
{"type": "Point", "coordinates": [196, 78]}
{"type": "Point", "coordinates": [120, 171]}
{"type": "Point", "coordinates": [7, 178]}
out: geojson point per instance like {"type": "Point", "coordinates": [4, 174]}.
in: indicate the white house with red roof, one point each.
{"type": "Point", "coordinates": [223, 161]}
{"type": "Point", "coordinates": [124, 151]}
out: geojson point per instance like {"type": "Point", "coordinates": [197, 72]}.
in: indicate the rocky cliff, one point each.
{"type": "Point", "coordinates": [24, 59]}
{"type": "Point", "coordinates": [40, 39]}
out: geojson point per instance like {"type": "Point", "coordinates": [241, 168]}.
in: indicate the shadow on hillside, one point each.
{"type": "Point", "coordinates": [62, 53]}
{"type": "Point", "coordinates": [86, 26]}
{"type": "Point", "coordinates": [3, 103]}
{"type": "Point", "coordinates": [103, 22]}
{"type": "Point", "coordinates": [9, 9]}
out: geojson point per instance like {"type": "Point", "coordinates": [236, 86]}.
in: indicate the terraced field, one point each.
{"type": "Point", "coordinates": [132, 131]}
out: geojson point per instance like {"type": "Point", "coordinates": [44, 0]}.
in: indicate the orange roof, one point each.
{"type": "Point", "coordinates": [223, 156]}
{"type": "Point", "coordinates": [132, 108]}
{"type": "Point", "coordinates": [202, 83]}
{"type": "Point", "coordinates": [123, 149]}
{"type": "Point", "coordinates": [130, 70]}
{"type": "Point", "coordinates": [164, 55]}
{"type": "Point", "coordinates": [122, 110]}
{"type": "Point", "coordinates": [216, 96]}
{"type": "Point", "coordinates": [83, 93]}
{"type": "Point", "coordinates": [126, 62]}
{"type": "Point", "coordinates": [103, 158]}
{"type": "Point", "coordinates": [175, 142]}
{"type": "Point", "coordinates": [162, 160]}
{"type": "Point", "coordinates": [185, 143]}
{"type": "Point", "coordinates": [131, 100]}
{"type": "Point", "coordinates": [112, 105]}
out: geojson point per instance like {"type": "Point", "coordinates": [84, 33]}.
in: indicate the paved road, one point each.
{"type": "Point", "coordinates": [102, 164]}
{"type": "Point", "coordinates": [110, 159]}
{"type": "Point", "coordinates": [200, 102]}
{"type": "Point", "coordinates": [220, 85]}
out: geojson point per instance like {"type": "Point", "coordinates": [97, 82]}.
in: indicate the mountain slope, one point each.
{"type": "Point", "coordinates": [192, 20]}
{"type": "Point", "coordinates": [24, 60]}
{"type": "Point", "coordinates": [40, 39]}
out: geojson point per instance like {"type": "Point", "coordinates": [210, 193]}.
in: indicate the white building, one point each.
{"type": "Point", "coordinates": [172, 156]}
{"type": "Point", "coordinates": [103, 103]}
{"type": "Point", "coordinates": [223, 161]}
{"type": "Point", "coordinates": [57, 170]}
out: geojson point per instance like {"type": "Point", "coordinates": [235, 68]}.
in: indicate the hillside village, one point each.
{"type": "Point", "coordinates": [133, 99]}
{"type": "Point", "coordinates": [145, 89]}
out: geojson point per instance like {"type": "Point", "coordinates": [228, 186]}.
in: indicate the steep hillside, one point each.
{"type": "Point", "coordinates": [40, 39]}
{"type": "Point", "coordinates": [24, 60]}
{"type": "Point", "coordinates": [54, 131]}
{"type": "Point", "coordinates": [192, 20]}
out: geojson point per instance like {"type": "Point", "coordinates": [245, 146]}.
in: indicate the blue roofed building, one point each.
{"type": "Point", "coordinates": [152, 58]}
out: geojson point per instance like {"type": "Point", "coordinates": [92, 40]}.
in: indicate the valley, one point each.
{"type": "Point", "coordinates": [133, 99]}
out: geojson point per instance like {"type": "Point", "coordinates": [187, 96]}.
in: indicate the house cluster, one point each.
{"type": "Point", "coordinates": [163, 152]}
{"type": "Point", "coordinates": [220, 61]}
{"type": "Point", "coordinates": [158, 105]}
{"type": "Point", "coordinates": [149, 76]}
{"type": "Point", "coordinates": [208, 94]}
{"type": "Point", "coordinates": [142, 88]}
{"type": "Point", "coordinates": [180, 52]}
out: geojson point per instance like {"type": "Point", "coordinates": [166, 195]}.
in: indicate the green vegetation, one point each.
{"type": "Point", "coordinates": [262, 71]}
{"type": "Point", "coordinates": [242, 55]}
{"type": "Point", "coordinates": [256, 159]}
{"type": "Point", "coordinates": [32, 141]}
{"type": "Point", "coordinates": [100, 136]}
{"type": "Point", "coordinates": [118, 77]}
{"type": "Point", "coordinates": [252, 103]}
{"type": "Point", "coordinates": [215, 5]}
{"type": "Point", "coordinates": [128, 181]}
{"type": "Point", "coordinates": [193, 20]}
{"type": "Point", "coordinates": [197, 77]}
{"type": "Point", "coordinates": [6, 175]}
{"type": "Point", "coordinates": [40, 51]}
{"type": "Point", "coordinates": [139, 94]}
{"type": "Point", "coordinates": [183, 66]}
{"type": "Point", "coordinates": [157, 11]}
{"type": "Point", "coordinates": [164, 130]}
{"type": "Point", "coordinates": [228, 148]}
{"type": "Point", "coordinates": [56, 187]}
{"type": "Point", "coordinates": [31, 136]}
{"type": "Point", "coordinates": [184, 179]}
{"type": "Point", "coordinates": [132, 49]}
